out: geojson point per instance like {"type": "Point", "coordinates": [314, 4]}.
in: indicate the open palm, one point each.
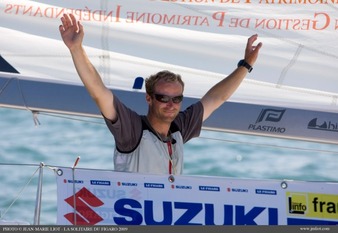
{"type": "Point", "coordinates": [71, 31]}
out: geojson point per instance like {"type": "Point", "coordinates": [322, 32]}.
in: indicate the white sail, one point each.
{"type": "Point", "coordinates": [292, 91]}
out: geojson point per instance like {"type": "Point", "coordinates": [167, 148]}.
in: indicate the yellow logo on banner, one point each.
{"type": "Point", "coordinates": [313, 205]}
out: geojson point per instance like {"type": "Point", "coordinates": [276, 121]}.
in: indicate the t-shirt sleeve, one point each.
{"type": "Point", "coordinates": [126, 129]}
{"type": "Point", "coordinates": [190, 121]}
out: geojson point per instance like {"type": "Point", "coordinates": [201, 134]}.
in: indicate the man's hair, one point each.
{"type": "Point", "coordinates": [165, 75]}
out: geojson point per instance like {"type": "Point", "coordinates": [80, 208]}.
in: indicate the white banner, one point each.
{"type": "Point", "coordinates": [94, 197]}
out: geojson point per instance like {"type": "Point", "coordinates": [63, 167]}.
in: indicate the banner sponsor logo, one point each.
{"type": "Point", "coordinates": [266, 191]}
{"type": "Point", "coordinates": [313, 205]}
{"type": "Point", "coordinates": [73, 181]}
{"type": "Point", "coordinates": [181, 187]}
{"type": "Point", "coordinates": [209, 188]}
{"type": "Point", "coordinates": [297, 203]}
{"type": "Point", "coordinates": [83, 214]}
{"type": "Point", "coordinates": [100, 182]}
{"type": "Point", "coordinates": [271, 115]}
{"type": "Point", "coordinates": [184, 213]}
{"type": "Point", "coordinates": [126, 184]}
{"type": "Point", "coordinates": [268, 116]}
{"type": "Point", "coordinates": [237, 190]}
{"type": "Point", "coordinates": [107, 193]}
{"type": "Point", "coordinates": [154, 185]}
{"type": "Point", "coordinates": [324, 126]}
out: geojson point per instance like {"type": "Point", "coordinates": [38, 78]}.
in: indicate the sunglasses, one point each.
{"type": "Point", "coordinates": [165, 99]}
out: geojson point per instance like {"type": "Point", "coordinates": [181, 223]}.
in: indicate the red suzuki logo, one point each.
{"type": "Point", "coordinates": [81, 202]}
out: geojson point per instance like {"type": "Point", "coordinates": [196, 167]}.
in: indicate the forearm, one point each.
{"type": "Point", "coordinates": [225, 88]}
{"type": "Point", "coordinates": [93, 82]}
{"type": "Point", "coordinates": [87, 72]}
{"type": "Point", "coordinates": [222, 91]}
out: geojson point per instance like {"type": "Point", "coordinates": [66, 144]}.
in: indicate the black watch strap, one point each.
{"type": "Point", "coordinates": [245, 64]}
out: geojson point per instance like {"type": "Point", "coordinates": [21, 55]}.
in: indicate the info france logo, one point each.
{"type": "Point", "coordinates": [312, 205]}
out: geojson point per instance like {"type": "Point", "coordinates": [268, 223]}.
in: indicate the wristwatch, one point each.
{"type": "Point", "coordinates": [245, 64]}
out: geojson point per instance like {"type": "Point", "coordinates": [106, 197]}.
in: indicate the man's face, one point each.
{"type": "Point", "coordinates": [166, 103]}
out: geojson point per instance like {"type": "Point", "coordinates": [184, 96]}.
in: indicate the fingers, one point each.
{"type": "Point", "coordinates": [251, 51]}
{"type": "Point", "coordinates": [65, 21]}
{"type": "Point", "coordinates": [68, 21]}
{"type": "Point", "coordinates": [252, 39]}
{"type": "Point", "coordinates": [80, 27]}
{"type": "Point", "coordinates": [73, 20]}
{"type": "Point", "coordinates": [61, 28]}
{"type": "Point", "coordinates": [257, 47]}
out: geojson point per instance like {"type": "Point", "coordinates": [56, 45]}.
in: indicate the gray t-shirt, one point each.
{"type": "Point", "coordinates": [139, 149]}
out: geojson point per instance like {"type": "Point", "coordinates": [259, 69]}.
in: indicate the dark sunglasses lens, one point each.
{"type": "Point", "coordinates": [177, 99]}
{"type": "Point", "coordinates": [162, 98]}
{"type": "Point", "coordinates": [166, 99]}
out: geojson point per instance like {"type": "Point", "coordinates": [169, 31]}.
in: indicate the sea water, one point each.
{"type": "Point", "coordinates": [58, 140]}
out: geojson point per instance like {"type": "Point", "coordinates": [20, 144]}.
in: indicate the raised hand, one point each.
{"type": "Point", "coordinates": [251, 51]}
{"type": "Point", "coordinates": [71, 31]}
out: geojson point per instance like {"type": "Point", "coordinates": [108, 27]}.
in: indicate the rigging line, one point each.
{"type": "Point", "coordinates": [21, 93]}
{"type": "Point", "coordinates": [269, 145]}
{"type": "Point", "coordinates": [20, 164]}
{"type": "Point", "coordinates": [332, 6]}
{"type": "Point", "coordinates": [5, 85]}
{"type": "Point", "coordinates": [28, 165]}
{"type": "Point", "coordinates": [71, 118]}
{"type": "Point", "coordinates": [19, 194]}
{"type": "Point", "coordinates": [35, 118]}
{"type": "Point", "coordinates": [105, 51]}
{"type": "Point", "coordinates": [291, 63]}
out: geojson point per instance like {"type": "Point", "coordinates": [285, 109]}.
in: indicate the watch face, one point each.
{"type": "Point", "coordinates": [240, 63]}
{"type": "Point", "coordinates": [245, 64]}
